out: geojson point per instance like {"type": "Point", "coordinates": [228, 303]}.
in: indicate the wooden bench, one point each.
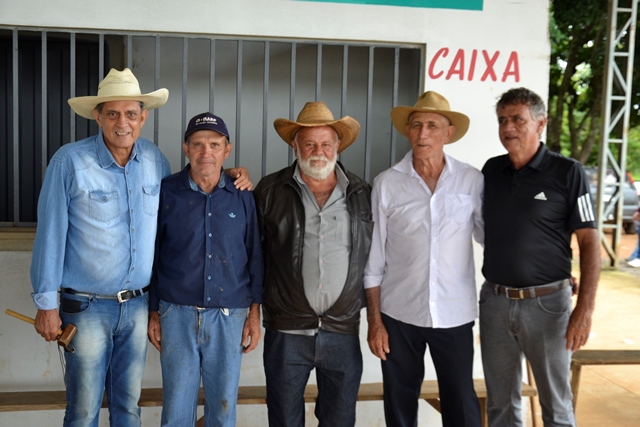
{"type": "Point", "coordinates": [598, 357]}
{"type": "Point", "coordinates": [52, 400]}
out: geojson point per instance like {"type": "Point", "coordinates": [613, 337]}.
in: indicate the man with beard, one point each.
{"type": "Point", "coordinates": [315, 224]}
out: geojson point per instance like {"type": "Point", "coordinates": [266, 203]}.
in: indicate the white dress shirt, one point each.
{"type": "Point", "coordinates": [421, 253]}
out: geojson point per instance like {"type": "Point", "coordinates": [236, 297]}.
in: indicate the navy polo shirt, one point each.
{"type": "Point", "coordinates": [208, 250]}
{"type": "Point", "coordinates": [529, 216]}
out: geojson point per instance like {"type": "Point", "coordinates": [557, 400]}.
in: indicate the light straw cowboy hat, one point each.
{"type": "Point", "coordinates": [315, 114]}
{"type": "Point", "coordinates": [118, 86]}
{"type": "Point", "coordinates": [430, 102]}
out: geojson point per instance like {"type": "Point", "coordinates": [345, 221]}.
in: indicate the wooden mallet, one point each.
{"type": "Point", "coordinates": [64, 336]}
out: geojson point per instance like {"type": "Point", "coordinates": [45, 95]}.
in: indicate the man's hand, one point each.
{"type": "Point", "coordinates": [48, 324]}
{"type": "Point", "coordinates": [377, 337]}
{"type": "Point", "coordinates": [251, 331]}
{"type": "Point", "coordinates": [575, 286]}
{"type": "Point", "coordinates": [579, 328]}
{"type": "Point", "coordinates": [154, 330]}
{"type": "Point", "coordinates": [242, 181]}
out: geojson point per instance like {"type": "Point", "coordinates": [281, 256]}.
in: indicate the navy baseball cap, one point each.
{"type": "Point", "coordinates": [206, 121]}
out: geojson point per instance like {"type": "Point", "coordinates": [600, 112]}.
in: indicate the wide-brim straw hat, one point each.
{"type": "Point", "coordinates": [118, 86]}
{"type": "Point", "coordinates": [315, 114]}
{"type": "Point", "coordinates": [430, 102]}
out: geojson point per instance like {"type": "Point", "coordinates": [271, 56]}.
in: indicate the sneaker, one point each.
{"type": "Point", "coordinates": [634, 263]}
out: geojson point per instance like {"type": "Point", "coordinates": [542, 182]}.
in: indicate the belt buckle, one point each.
{"type": "Point", "coordinates": [120, 298]}
{"type": "Point", "coordinates": [518, 297]}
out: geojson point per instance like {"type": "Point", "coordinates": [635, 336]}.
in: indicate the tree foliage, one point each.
{"type": "Point", "coordinates": [578, 34]}
{"type": "Point", "coordinates": [578, 44]}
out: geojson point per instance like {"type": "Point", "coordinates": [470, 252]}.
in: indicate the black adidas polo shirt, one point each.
{"type": "Point", "coordinates": [529, 216]}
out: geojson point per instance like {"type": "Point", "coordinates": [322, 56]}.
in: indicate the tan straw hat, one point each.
{"type": "Point", "coordinates": [430, 102]}
{"type": "Point", "coordinates": [118, 86]}
{"type": "Point", "coordinates": [315, 114]}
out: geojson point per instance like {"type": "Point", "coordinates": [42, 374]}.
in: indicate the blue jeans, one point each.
{"type": "Point", "coordinates": [111, 349]}
{"type": "Point", "coordinates": [199, 343]}
{"type": "Point", "coordinates": [536, 328]}
{"type": "Point", "coordinates": [636, 251]}
{"type": "Point", "coordinates": [288, 361]}
{"type": "Point", "coordinates": [451, 351]}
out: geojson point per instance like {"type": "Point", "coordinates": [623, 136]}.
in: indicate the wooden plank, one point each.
{"type": "Point", "coordinates": [606, 357]}
{"type": "Point", "coordinates": [247, 395]}
{"type": "Point", "coordinates": [598, 357]}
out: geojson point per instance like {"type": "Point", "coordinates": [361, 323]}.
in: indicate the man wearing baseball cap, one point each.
{"type": "Point", "coordinates": [315, 222]}
{"type": "Point", "coordinates": [420, 278]}
{"type": "Point", "coordinates": [206, 289]}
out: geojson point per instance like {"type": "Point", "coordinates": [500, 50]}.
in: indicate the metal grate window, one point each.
{"type": "Point", "coordinates": [248, 82]}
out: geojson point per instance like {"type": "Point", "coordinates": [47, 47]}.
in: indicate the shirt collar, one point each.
{"type": "Point", "coordinates": [405, 166]}
{"type": "Point", "coordinates": [222, 183]}
{"type": "Point", "coordinates": [534, 163]}
{"type": "Point", "coordinates": [105, 158]}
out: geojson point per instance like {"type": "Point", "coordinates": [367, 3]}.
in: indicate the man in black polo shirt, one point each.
{"type": "Point", "coordinates": [533, 201]}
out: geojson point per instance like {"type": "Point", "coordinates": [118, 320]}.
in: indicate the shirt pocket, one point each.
{"type": "Point", "coordinates": [103, 205]}
{"type": "Point", "coordinates": [150, 198]}
{"type": "Point", "coordinates": [458, 207]}
{"type": "Point", "coordinates": [342, 224]}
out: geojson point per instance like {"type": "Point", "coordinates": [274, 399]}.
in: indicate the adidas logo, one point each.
{"type": "Point", "coordinates": [540, 196]}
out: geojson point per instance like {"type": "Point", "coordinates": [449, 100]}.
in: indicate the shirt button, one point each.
{"type": "Point", "coordinates": [133, 230]}
{"type": "Point", "coordinates": [319, 286]}
{"type": "Point", "coordinates": [209, 277]}
{"type": "Point", "coordinates": [209, 234]}
{"type": "Point", "coordinates": [131, 210]}
{"type": "Point", "coordinates": [209, 214]}
{"type": "Point", "coordinates": [133, 268]}
{"type": "Point", "coordinates": [134, 250]}
{"type": "Point", "coordinates": [210, 256]}
{"type": "Point", "coordinates": [321, 261]}
{"type": "Point", "coordinates": [321, 237]}
{"type": "Point", "coordinates": [208, 298]}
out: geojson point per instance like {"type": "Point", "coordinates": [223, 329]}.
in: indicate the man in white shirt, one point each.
{"type": "Point", "coordinates": [420, 277]}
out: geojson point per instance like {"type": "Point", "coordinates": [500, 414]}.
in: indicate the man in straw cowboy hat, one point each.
{"type": "Point", "coordinates": [94, 245]}
{"type": "Point", "coordinates": [534, 201]}
{"type": "Point", "coordinates": [315, 222]}
{"type": "Point", "coordinates": [419, 280]}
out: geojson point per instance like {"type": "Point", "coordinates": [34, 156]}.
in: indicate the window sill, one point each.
{"type": "Point", "coordinates": [17, 239]}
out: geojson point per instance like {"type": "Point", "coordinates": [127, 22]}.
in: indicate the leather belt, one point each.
{"type": "Point", "coordinates": [530, 292]}
{"type": "Point", "coordinates": [122, 296]}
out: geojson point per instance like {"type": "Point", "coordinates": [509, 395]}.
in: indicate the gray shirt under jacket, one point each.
{"type": "Point", "coordinates": [327, 244]}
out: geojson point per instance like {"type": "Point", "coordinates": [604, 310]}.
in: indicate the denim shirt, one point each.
{"type": "Point", "coordinates": [97, 220]}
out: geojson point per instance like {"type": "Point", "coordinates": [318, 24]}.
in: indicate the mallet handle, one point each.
{"type": "Point", "coordinates": [20, 316]}
{"type": "Point", "coordinates": [24, 318]}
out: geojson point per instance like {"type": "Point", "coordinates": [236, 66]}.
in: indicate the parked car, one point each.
{"type": "Point", "coordinates": [630, 196]}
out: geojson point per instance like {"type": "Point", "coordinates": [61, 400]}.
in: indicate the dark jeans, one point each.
{"type": "Point", "coordinates": [451, 350]}
{"type": "Point", "coordinates": [288, 361]}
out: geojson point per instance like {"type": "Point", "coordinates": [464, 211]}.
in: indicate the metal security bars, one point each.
{"type": "Point", "coordinates": [248, 82]}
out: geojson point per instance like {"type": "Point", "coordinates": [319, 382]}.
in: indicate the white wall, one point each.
{"type": "Point", "coordinates": [503, 30]}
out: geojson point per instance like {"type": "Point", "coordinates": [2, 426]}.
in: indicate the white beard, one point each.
{"type": "Point", "coordinates": [316, 172]}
